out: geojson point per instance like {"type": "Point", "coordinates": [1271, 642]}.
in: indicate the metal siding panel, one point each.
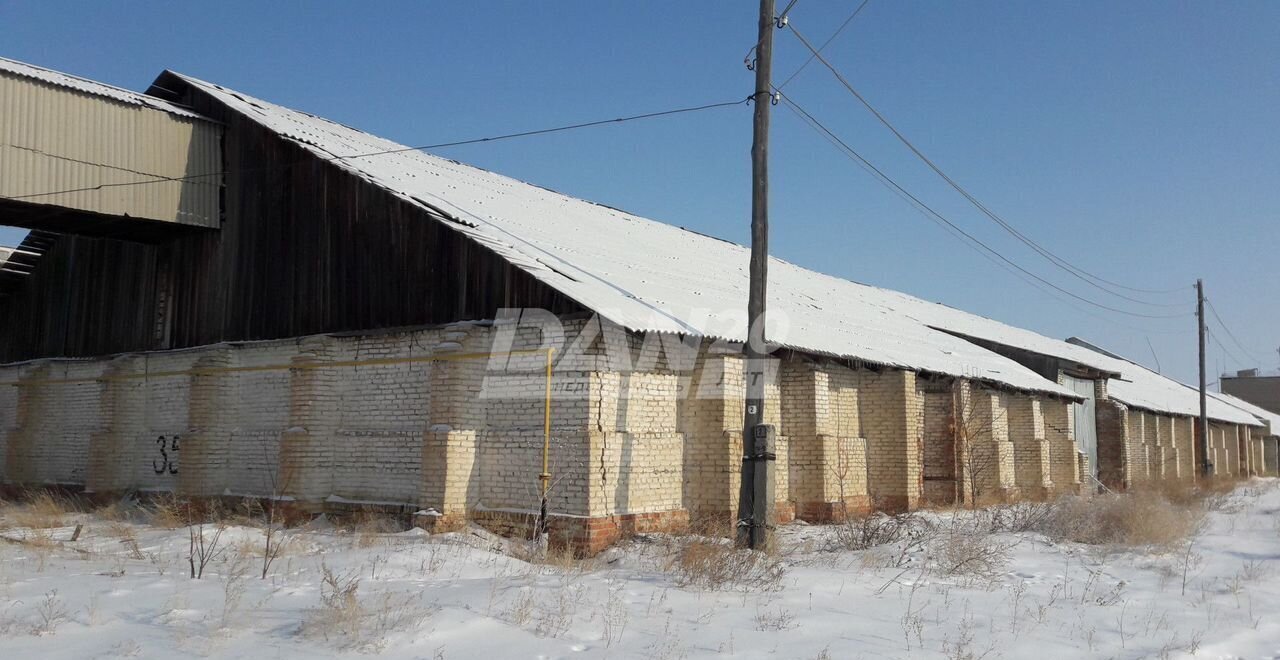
{"type": "Point", "coordinates": [56, 138]}
{"type": "Point", "coordinates": [1086, 421]}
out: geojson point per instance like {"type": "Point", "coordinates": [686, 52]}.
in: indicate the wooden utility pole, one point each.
{"type": "Point", "coordinates": [1203, 423]}
{"type": "Point", "coordinates": [755, 496]}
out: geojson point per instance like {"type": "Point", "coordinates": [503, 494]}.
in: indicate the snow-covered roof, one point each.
{"type": "Point", "coordinates": [639, 273]}
{"type": "Point", "coordinates": [1140, 387]}
{"type": "Point", "coordinates": [86, 86]}
{"type": "Point", "coordinates": [1267, 417]}
{"type": "Point", "coordinates": [649, 276]}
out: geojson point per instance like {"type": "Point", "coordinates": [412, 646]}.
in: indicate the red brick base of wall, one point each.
{"type": "Point", "coordinates": [1036, 493]}
{"type": "Point", "coordinates": [830, 512]}
{"type": "Point", "coordinates": [584, 536]}
{"type": "Point", "coordinates": [896, 503]}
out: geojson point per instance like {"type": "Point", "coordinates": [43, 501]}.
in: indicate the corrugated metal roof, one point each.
{"type": "Point", "coordinates": [650, 276]}
{"type": "Point", "coordinates": [641, 274]}
{"type": "Point", "coordinates": [1269, 418]}
{"type": "Point", "coordinates": [83, 85]}
{"type": "Point", "coordinates": [75, 144]}
{"type": "Point", "coordinates": [1141, 387]}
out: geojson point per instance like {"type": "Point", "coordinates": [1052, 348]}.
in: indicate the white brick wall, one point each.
{"type": "Point", "coordinates": [371, 419]}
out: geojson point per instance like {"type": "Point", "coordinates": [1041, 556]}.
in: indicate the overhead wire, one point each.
{"type": "Point", "coordinates": [1080, 273]}
{"type": "Point", "coordinates": [942, 220]}
{"type": "Point", "coordinates": [824, 45]}
{"type": "Point", "coordinates": [1230, 334]}
{"type": "Point", "coordinates": [333, 158]}
{"type": "Point", "coordinates": [785, 12]}
{"type": "Point", "coordinates": [1226, 351]}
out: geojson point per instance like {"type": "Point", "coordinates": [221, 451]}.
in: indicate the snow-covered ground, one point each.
{"type": "Point", "coordinates": [122, 590]}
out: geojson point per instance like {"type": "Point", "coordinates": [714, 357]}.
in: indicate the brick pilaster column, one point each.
{"type": "Point", "coordinates": [1060, 430]}
{"type": "Point", "coordinates": [450, 443]}
{"type": "Point", "coordinates": [892, 411]}
{"type": "Point", "coordinates": [111, 452]}
{"type": "Point", "coordinates": [804, 404]}
{"type": "Point", "coordinates": [1030, 446]}
{"type": "Point", "coordinates": [20, 465]}
{"type": "Point", "coordinates": [712, 417]}
{"type": "Point", "coordinates": [304, 468]}
{"type": "Point", "coordinates": [206, 444]}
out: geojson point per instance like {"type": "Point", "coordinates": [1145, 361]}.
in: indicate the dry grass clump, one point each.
{"type": "Point", "coordinates": [340, 612]}
{"type": "Point", "coordinates": [168, 512]}
{"type": "Point", "coordinates": [370, 527]}
{"type": "Point", "coordinates": [42, 510]}
{"type": "Point", "coordinates": [712, 526]}
{"type": "Point", "coordinates": [715, 564]}
{"type": "Point", "coordinates": [1139, 518]}
{"type": "Point", "coordinates": [1210, 494]}
{"type": "Point", "coordinates": [115, 511]}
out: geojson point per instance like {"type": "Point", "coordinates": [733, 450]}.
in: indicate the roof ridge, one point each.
{"type": "Point", "coordinates": [93, 87]}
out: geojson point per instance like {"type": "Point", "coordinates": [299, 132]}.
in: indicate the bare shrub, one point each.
{"type": "Point", "coordinates": [962, 550]}
{"type": "Point", "coordinates": [962, 646]}
{"type": "Point", "coordinates": [204, 537]}
{"type": "Point", "coordinates": [9, 621]}
{"type": "Point", "coordinates": [877, 529]}
{"type": "Point", "coordinates": [774, 620]}
{"type": "Point", "coordinates": [614, 616]}
{"type": "Point", "coordinates": [50, 612]}
{"type": "Point", "coordinates": [344, 620]}
{"type": "Point", "coordinates": [1140, 518]}
{"type": "Point", "coordinates": [272, 527]}
{"type": "Point", "coordinates": [392, 613]}
{"type": "Point", "coordinates": [340, 613]}
{"type": "Point", "coordinates": [555, 615]}
{"type": "Point", "coordinates": [522, 608]}
{"type": "Point", "coordinates": [233, 587]}
{"type": "Point", "coordinates": [716, 564]}
{"type": "Point", "coordinates": [1014, 518]}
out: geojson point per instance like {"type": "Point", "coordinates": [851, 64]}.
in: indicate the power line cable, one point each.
{"type": "Point", "coordinates": [939, 218]}
{"type": "Point", "coordinates": [831, 38]}
{"type": "Point", "coordinates": [1079, 273]}
{"type": "Point", "coordinates": [787, 11]}
{"type": "Point", "coordinates": [1230, 334]}
{"type": "Point", "coordinates": [495, 138]}
{"type": "Point", "coordinates": [1225, 350]}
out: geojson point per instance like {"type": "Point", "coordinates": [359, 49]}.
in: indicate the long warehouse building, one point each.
{"type": "Point", "coordinates": [253, 301]}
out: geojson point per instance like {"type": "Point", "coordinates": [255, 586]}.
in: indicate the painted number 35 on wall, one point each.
{"type": "Point", "coordinates": [167, 463]}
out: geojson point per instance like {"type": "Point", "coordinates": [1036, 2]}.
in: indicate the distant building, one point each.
{"type": "Point", "coordinates": [1260, 389]}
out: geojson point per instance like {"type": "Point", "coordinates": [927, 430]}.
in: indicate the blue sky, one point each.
{"type": "Point", "coordinates": [1137, 140]}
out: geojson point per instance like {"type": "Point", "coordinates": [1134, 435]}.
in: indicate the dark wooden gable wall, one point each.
{"type": "Point", "coordinates": [304, 248]}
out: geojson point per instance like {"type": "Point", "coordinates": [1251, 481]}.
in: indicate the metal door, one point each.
{"type": "Point", "coordinates": [1085, 419]}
